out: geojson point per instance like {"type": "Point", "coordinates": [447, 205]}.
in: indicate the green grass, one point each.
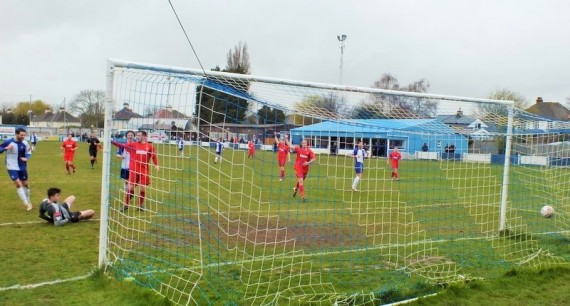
{"type": "Point", "coordinates": [354, 241]}
{"type": "Point", "coordinates": [516, 287]}
{"type": "Point", "coordinates": [35, 252]}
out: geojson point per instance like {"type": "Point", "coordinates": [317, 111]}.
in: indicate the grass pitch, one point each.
{"type": "Point", "coordinates": [36, 253]}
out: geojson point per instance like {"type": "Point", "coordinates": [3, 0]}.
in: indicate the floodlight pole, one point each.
{"type": "Point", "coordinates": [341, 39]}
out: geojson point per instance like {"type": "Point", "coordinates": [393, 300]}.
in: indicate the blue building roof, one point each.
{"type": "Point", "coordinates": [378, 125]}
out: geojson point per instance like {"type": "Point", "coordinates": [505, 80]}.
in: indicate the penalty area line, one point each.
{"type": "Point", "coordinates": [32, 222]}
{"type": "Point", "coordinates": [53, 282]}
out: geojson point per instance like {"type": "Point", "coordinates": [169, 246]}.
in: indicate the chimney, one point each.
{"type": "Point", "coordinates": [169, 108]}
{"type": "Point", "coordinates": [459, 113]}
{"type": "Point", "coordinates": [126, 105]}
{"type": "Point", "coordinates": [47, 111]}
{"type": "Point", "coordinates": [539, 100]}
{"type": "Point", "coordinates": [62, 109]}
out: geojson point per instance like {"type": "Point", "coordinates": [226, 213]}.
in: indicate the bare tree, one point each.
{"type": "Point", "coordinates": [328, 105]}
{"type": "Point", "coordinates": [238, 60]}
{"type": "Point", "coordinates": [151, 110]}
{"type": "Point", "coordinates": [488, 109]}
{"type": "Point", "coordinates": [397, 106]}
{"type": "Point", "coordinates": [218, 106]}
{"type": "Point", "coordinates": [507, 94]}
{"type": "Point", "coordinates": [90, 106]}
{"type": "Point", "coordinates": [387, 81]}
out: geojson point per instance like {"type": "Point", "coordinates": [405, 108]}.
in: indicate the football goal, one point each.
{"type": "Point", "coordinates": [446, 189]}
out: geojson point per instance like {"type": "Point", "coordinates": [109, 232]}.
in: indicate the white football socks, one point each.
{"type": "Point", "coordinates": [27, 190]}
{"type": "Point", "coordinates": [355, 182]}
{"type": "Point", "coordinates": [22, 194]}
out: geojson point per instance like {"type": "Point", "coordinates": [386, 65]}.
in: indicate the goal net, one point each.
{"type": "Point", "coordinates": [231, 227]}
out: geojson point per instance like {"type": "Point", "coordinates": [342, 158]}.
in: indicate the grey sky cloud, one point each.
{"type": "Point", "coordinates": [53, 49]}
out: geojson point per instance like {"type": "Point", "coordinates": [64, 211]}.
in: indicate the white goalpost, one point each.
{"type": "Point", "coordinates": [223, 227]}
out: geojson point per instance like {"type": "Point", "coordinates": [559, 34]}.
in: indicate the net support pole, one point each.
{"type": "Point", "coordinates": [506, 168]}
{"type": "Point", "coordinates": [106, 166]}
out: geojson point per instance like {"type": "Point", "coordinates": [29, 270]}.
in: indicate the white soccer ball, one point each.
{"type": "Point", "coordinates": [547, 211]}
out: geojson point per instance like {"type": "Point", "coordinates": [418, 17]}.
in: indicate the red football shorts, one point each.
{"type": "Point", "coordinates": [139, 178]}
{"type": "Point", "coordinates": [68, 156]}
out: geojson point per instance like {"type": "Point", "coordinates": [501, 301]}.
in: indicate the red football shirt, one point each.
{"type": "Point", "coordinates": [68, 145]}
{"type": "Point", "coordinates": [282, 151]}
{"type": "Point", "coordinates": [140, 154]}
{"type": "Point", "coordinates": [303, 156]}
{"type": "Point", "coordinates": [395, 158]}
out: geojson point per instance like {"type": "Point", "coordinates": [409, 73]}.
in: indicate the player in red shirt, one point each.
{"type": "Point", "coordinates": [395, 158]}
{"type": "Point", "coordinates": [283, 148]}
{"type": "Point", "coordinates": [305, 156]}
{"type": "Point", "coordinates": [69, 146]}
{"type": "Point", "coordinates": [250, 149]}
{"type": "Point", "coordinates": [141, 152]}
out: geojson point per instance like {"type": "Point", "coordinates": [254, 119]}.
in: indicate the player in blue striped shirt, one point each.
{"type": "Point", "coordinates": [125, 157]}
{"type": "Point", "coordinates": [219, 149]}
{"type": "Point", "coordinates": [180, 145]}
{"type": "Point", "coordinates": [359, 155]}
{"type": "Point", "coordinates": [18, 151]}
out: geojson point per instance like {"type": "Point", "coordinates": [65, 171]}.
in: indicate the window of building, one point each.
{"type": "Point", "coordinates": [396, 143]}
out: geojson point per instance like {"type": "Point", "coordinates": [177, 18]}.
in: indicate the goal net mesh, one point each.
{"type": "Point", "coordinates": [226, 229]}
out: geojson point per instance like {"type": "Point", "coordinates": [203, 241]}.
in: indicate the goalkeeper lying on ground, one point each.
{"type": "Point", "coordinates": [59, 214]}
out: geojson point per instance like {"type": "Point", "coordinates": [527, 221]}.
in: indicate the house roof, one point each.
{"type": "Point", "coordinates": [478, 122]}
{"type": "Point", "coordinates": [454, 119]}
{"type": "Point", "coordinates": [60, 116]}
{"type": "Point", "coordinates": [126, 114]}
{"type": "Point", "coordinates": [169, 113]}
{"type": "Point", "coordinates": [551, 110]}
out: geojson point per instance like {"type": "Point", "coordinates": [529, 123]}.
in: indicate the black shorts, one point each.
{"type": "Point", "coordinates": [93, 152]}
{"type": "Point", "coordinates": [73, 216]}
{"type": "Point", "coordinates": [125, 174]}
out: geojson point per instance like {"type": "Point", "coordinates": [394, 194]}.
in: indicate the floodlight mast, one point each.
{"type": "Point", "coordinates": [341, 38]}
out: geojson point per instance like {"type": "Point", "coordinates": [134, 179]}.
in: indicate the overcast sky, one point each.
{"type": "Point", "coordinates": [52, 50]}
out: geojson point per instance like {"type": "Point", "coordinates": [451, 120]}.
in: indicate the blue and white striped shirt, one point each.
{"type": "Point", "coordinates": [15, 150]}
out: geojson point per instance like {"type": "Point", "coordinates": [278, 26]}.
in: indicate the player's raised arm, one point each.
{"type": "Point", "coordinates": [117, 144]}
{"type": "Point", "coordinates": [288, 149]}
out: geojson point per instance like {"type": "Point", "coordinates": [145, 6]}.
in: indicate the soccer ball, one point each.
{"type": "Point", "coordinates": [547, 211]}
